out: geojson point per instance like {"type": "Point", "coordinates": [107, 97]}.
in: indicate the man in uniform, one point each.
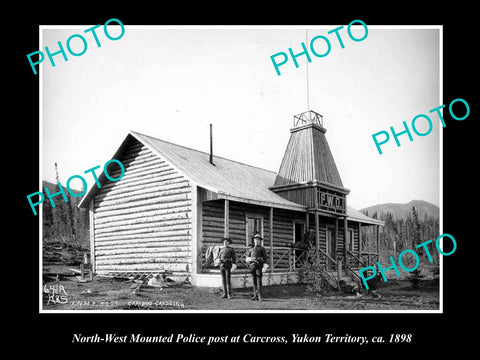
{"type": "Point", "coordinates": [256, 257]}
{"type": "Point", "coordinates": [227, 258]}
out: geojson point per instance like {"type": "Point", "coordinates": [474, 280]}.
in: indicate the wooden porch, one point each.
{"type": "Point", "coordinates": [290, 259]}
{"type": "Point", "coordinates": [342, 258]}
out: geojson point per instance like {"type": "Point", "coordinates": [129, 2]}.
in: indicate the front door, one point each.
{"type": "Point", "coordinates": [331, 243]}
{"type": "Point", "coordinates": [298, 231]}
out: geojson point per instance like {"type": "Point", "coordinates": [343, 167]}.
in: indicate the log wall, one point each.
{"type": "Point", "coordinates": [213, 226]}
{"type": "Point", "coordinates": [213, 223]}
{"type": "Point", "coordinates": [142, 223]}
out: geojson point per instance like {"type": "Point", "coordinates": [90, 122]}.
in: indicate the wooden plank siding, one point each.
{"type": "Point", "coordinates": [142, 223]}
{"type": "Point", "coordinates": [308, 158]}
{"type": "Point", "coordinates": [304, 196]}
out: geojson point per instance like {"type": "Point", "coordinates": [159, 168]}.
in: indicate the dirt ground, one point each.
{"type": "Point", "coordinates": [68, 293]}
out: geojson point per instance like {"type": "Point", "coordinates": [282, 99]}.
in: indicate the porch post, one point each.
{"type": "Point", "coordinates": [359, 241]}
{"type": "Point", "coordinates": [317, 226]}
{"type": "Point", "coordinates": [226, 230]}
{"type": "Point", "coordinates": [345, 238]}
{"type": "Point", "coordinates": [271, 239]}
{"type": "Point", "coordinates": [378, 242]}
{"type": "Point", "coordinates": [317, 236]}
{"type": "Point", "coordinates": [336, 240]}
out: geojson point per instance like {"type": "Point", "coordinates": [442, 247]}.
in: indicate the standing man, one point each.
{"type": "Point", "coordinates": [256, 257]}
{"type": "Point", "coordinates": [227, 258]}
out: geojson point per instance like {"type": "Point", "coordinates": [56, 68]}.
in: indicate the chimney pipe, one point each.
{"type": "Point", "coordinates": [211, 146]}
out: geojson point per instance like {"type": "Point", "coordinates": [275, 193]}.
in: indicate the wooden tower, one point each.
{"type": "Point", "coordinates": [308, 174]}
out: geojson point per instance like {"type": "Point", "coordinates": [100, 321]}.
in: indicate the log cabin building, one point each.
{"type": "Point", "coordinates": [174, 202]}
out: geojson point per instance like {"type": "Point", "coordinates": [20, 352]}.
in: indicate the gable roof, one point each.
{"type": "Point", "coordinates": [227, 178]}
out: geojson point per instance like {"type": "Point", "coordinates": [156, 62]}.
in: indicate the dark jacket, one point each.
{"type": "Point", "coordinates": [258, 255]}
{"type": "Point", "coordinates": [227, 255]}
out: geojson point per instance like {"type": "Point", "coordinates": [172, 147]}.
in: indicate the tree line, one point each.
{"type": "Point", "coordinates": [400, 234]}
{"type": "Point", "coordinates": [66, 221]}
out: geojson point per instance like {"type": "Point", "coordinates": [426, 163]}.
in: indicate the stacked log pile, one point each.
{"type": "Point", "coordinates": [57, 252]}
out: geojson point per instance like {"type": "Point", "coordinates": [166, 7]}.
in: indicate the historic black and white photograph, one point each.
{"type": "Point", "coordinates": [241, 168]}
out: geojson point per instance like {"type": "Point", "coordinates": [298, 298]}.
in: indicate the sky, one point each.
{"type": "Point", "coordinates": [172, 82]}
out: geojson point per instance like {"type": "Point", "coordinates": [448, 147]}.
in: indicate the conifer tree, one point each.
{"type": "Point", "coordinates": [416, 233]}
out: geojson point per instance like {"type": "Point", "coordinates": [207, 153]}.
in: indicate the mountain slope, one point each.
{"type": "Point", "coordinates": [401, 210]}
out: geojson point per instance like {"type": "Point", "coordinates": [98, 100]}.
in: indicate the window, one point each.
{"type": "Point", "coordinates": [254, 224]}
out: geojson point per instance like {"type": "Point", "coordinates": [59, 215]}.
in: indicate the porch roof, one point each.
{"type": "Point", "coordinates": [356, 215]}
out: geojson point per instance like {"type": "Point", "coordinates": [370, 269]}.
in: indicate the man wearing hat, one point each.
{"type": "Point", "coordinates": [227, 258]}
{"type": "Point", "coordinates": [256, 257]}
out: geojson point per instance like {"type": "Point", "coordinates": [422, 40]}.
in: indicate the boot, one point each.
{"type": "Point", "coordinates": [259, 293]}
{"type": "Point", "coordinates": [224, 284]}
{"type": "Point", "coordinates": [254, 297]}
{"type": "Point", "coordinates": [229, 292]}
{"type": "Point", "coordinates": [225, 293]}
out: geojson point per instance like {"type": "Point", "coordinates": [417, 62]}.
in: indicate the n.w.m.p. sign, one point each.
{"type": "Point", "coordinates": [331, 201]}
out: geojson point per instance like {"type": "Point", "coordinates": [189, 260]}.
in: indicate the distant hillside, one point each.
{"type": "Point", "coordinates": [53, 187]}
{"type": "Point", "coordinates": [400, 211]}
